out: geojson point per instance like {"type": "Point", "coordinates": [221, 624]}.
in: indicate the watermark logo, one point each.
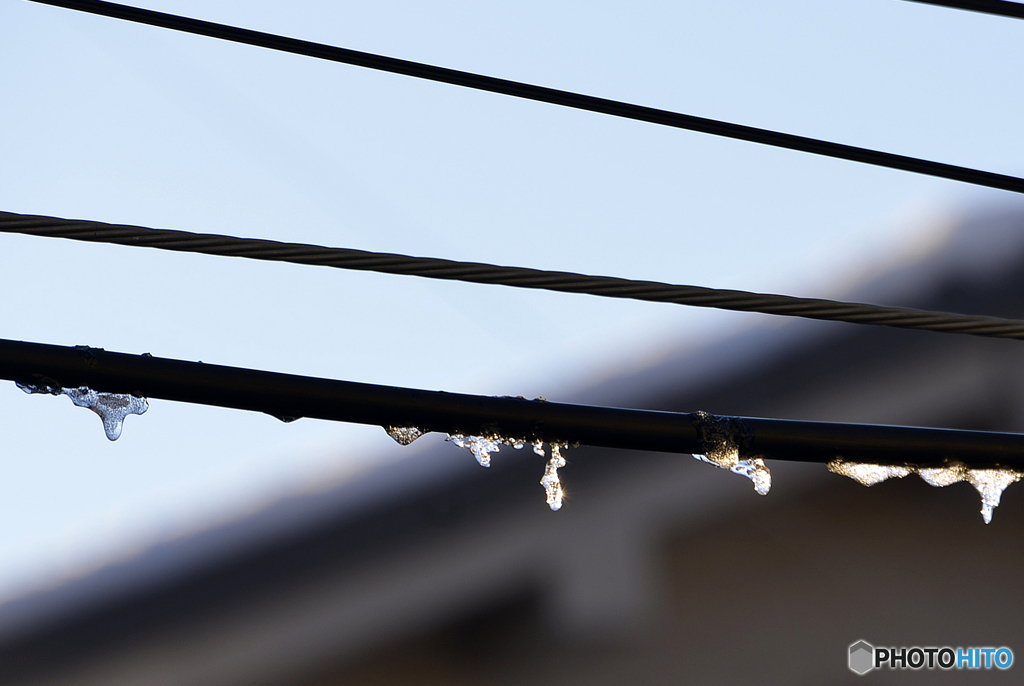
{"type": "Point", "coordinates": [863, 657]}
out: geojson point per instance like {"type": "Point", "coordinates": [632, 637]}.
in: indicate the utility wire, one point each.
{"type": "Point", "coordinates": [519, 277]}
{"type": "Point", "coordinates": [542, 94]}
{"type": "Point", "coordinates": [999, 7]}
{"type": "Point", "coordinates": [288, 396]}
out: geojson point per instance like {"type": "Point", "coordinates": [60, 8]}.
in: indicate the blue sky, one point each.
{"type": "Point", "coordinates": [111, 121]}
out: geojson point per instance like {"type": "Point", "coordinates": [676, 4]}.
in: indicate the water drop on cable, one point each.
{"type": "Point", "coordinates": [404, 435]}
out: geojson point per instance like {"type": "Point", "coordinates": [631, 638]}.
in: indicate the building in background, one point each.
{"type": "Point", "coordinates": [658, 569]}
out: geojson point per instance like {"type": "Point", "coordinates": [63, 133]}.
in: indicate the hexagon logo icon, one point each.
{"type": "Point", "coordinates": [862, 657]}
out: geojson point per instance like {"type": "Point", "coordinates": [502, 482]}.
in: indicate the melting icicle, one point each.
{"type": "Point", "coordinates": [552, 486]}
{"type": "Point", "coordinates": [483, 446]}
{"type": "Point", "coordinates": [404, 435]}
{"type": "Point", "coordinates": [480, 446]}
{"type": "Point", "coordinates": [867, 474]}
{"type": "Point", "coordinates": [990, 483]}
{"type": "Point", "coordinates": [111, 407]}
{"type": "Point", "coordinates": [757, 471]}
{"type": "Point", "coordinates": [718, 437]}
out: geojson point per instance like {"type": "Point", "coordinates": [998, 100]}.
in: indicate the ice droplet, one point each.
{"type": "Point", "coordinates": [111, 407]}
{"type": "Point", "coordinates": [720, 441]}
{"type": "Point", "coordinates": [404, 435]}
{"type": "Point", "coordinates": [943, 476]}
{"type": "Point", "coordinates": [867, 474]}
{"type": "Point", "coordinates": [480, 446]}
{"type": "Point", "coordinates": [483, 446]}
{"type": "Point", "coordinates": [552, 486]}
{"type": "Point", "coordinates": [990, 483]}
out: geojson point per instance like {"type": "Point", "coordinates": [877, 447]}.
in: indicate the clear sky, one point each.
{"type": "Point", "coordinates": [117, 122]}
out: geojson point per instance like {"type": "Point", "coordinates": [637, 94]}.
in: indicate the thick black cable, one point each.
{"type": "Point", "coordinates": [290, 396]}
{"type": "Point", "coordinates": [542, 94]}
{"type": "Point", "coordinates": [999, 7]}
{"type": "Point", "coordinates": [519, 277]}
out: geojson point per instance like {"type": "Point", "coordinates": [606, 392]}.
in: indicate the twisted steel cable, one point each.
{"type": "Point", "coordinates": [519, 277]}
{"type": "Point", "coordinates": [552, 96]}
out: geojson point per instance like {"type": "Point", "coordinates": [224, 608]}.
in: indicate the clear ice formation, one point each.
{"type": "Point", "coordinates": [943, 476]}
{"type": "Point", "coordinates": [111, 407]}
{"type": "Point", "coordinates": [552, 486]}
{"type": "Point", "coordinates": [721, 448]}
{"type": "Point", "coordinates": [483, 446]}
{"type": "Point", "coordinates": [867, 474]}
{"type": "Point", "coordinates": [480, 446]}
{"type": "Point", "coordinates": [404, 435]}
{"type": "Point", "coordinates": [990, 483]}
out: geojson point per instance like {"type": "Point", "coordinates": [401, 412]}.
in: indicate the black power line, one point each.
{"type": "Point", "coordinates": [290, 396]}
{"type": "Point", "coordinates": [520, 277]}
{"type": "Point", "coordinates": [542, 94]}
{"type": "Point", "coordinates": [1000, 7]}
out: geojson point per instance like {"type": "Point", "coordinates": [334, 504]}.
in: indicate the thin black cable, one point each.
{"type": "Point", "coordinates": [290, 396]}
{"type": "Point", "coordinates": [542, 94]}
{"type": "Point", "coordinates": [999, 7]}
{"type": "Point", "coordinates": [519, 277]}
